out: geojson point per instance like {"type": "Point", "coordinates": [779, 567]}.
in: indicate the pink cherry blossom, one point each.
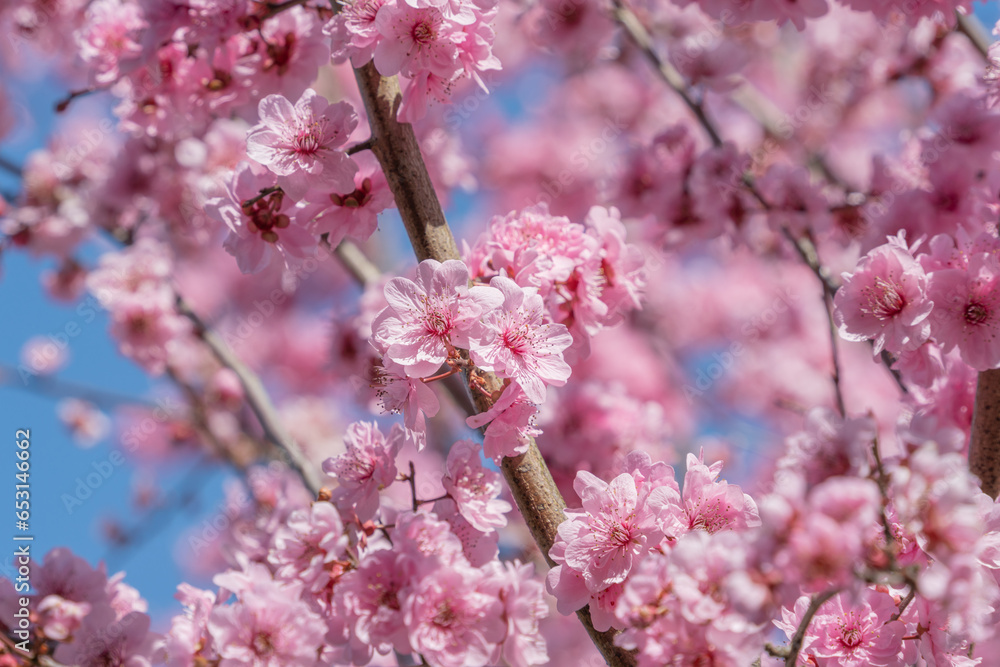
{"type": "Point", "coordinates": [263, 231]}
{"type": "Point", "coordinates": [268, 625]}
{"type": "Point", "coordinates": [450, 622]}
{"type": "Point", "coordinates": [427, 317]}
{"type": "Point", "coordinates": [306, 546]}
{"type": "Point", "coordinates": [519, 345]}
{"type": "Point", "coordinates": [511, 422]}
{"type": "Point", "coordinates": [365, 468]}
{"type": "Point", "coordinates": [885, 300]}
{"type": "Point", "coordinates": [110, 36]}
{"type": "Point", "coordinates": [299, 143]}
{"type": "Point", "coordinates": [413, 39]}
{"type": "Point", "coordinates": [372, 596]}
{"type": "Point", "coordinates": [707, 503]}
{"type": "Point", "coordinates": [612, 531]}
{"type": "Point", "coordinates": [474, 488]}
{"type": "Point", "coordinates": [354, 213]}
{"type": "Point", "coordinates": [849, 634]}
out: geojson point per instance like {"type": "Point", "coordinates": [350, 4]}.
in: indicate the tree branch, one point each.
{"type": "Point", "coordinates": [396, 148]}
{"type": "Point", "coordinates": [984, 444]}
{"type": "Point", "coordinates": [257, 398]}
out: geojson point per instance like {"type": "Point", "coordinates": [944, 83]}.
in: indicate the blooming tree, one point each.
{"type": "Point", "coordinates": [755, 238]}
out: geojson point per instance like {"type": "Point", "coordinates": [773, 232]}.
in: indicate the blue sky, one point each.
{"type": "Point", "coordinates": [58, 467]}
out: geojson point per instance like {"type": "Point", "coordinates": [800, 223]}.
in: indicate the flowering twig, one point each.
{"type": "Point", "coordinates": [984, 444]}
{"type": "Point", "coordinates": [795, 646]}
{"type": "Point", "coordinates": [260, 195]}
{"type": "Point", "coordinates": [398, 153]}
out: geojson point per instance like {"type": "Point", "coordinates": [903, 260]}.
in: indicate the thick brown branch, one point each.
{"type": "Point", "coordinates": [984, 447]}
{"type": "Point", "coordinates": [396, 148]}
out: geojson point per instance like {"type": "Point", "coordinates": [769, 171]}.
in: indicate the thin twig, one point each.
{"type": "Point", "coordinates": [969, 25]}
{"type": "Point", "coordinates": [795, 646]}
{"type": "Point", "coordinates": [60, 388]}
{"type": "Point", "coordinates": [7, 165]}
{"type": "Point", "coordinates": [260, 195]}
{"type": "Point", "coordinates": [356, 262]}
{"type": "Point", "coordinates": [640, 36]}
{"type": "Point", "coordinates": [834, 354]}
{"type": "Point", "coordinates": [363, 146]}
{"type": "Point", "coordinates": [257, 398]}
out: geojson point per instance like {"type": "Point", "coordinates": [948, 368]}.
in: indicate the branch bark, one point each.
{"type": "Point", "coordinates": [395, 145]}
{"type": "Point", "coordinates": [984, 445]}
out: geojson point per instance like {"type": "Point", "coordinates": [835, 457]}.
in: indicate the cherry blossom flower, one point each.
{"type": "Point", "coordinates": [474, 488]}
{"type": "Point", "coordinates": [413, 39]}
{"type": "Point", "coordinates": [519, 345]}
{"type": "Point", "coordinates": [511, 423]}
{"type": "Point", "coordinates": [354, 213]}
{"type": "Point", "coordinates": [613, 530]}
{"type": "Point", "coordinates": [353, 31]}
{"type": "Point", "coordinates": [109, 37]}
{"type": "Point", "coordinates": [707, 503]}
{"type": "Point", "coordinates": [849, 634]}
{"type": "Point", "coordinates": [307, 547]}
{"type": "Point", "coordinates": [299, 143]}
{"type": "Point", "coordinates": [967, 310]}
{"type": "Point", "coordinates": [263, 231]}
{"type": "Point", "coordinates": [427, 317]}
{"type": "Point", "coordinates": [885, 300]}
{"type": "Point", "coordinates": [366, 467]}
{"type": "Point", "coordinates": [372, 596]}
{"type": "Point", "coordinates": [269, 625]}
{"type": "Point", "coordinates": [452, 623]}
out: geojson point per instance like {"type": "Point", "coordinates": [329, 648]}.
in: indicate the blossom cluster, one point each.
{"type": "Point", "coordinates": [922, 300]}
{"type": "Point", "coordinates": [95, 619]}
{"type": "Point", "coordinates": [432, 43]}
{"type": "Point", "coordinates": [316, 583]}
{"type": "Point", "coordinates": [300, 186]}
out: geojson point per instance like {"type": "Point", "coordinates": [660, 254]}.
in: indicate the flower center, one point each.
{"type": "Point", "coordinates": [423, 33]}
{"type": "Point", "coordinates": [262, 645]}
{"type": "Point", "coordinates": [851, 637]}
{"type": "Point", "coordinates": [884, 299]}
{"type": "Point", "coordinates": [976, 313]}
{"type": "Point", "coordinates": [445, 616]}
{"type": "Point", "coordinates": [263, 217]}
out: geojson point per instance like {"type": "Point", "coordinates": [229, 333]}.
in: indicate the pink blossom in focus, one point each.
{"type": "Point", "coordinates": [885, 300]}
{"type": "Point", "coordinates": [851, 634]}
{"type": "Point", "coordinates": [517, 344]}
{"type": "Point", "coordinates": [474, 488]}
{"type": "Point", "coordinates": [299, 143]}
{"type": "Point", "coordinates": [511, 422]}
{"type": "Point", "coordinates": [365, 468]}
{"type": "Point", "coordinates": [967, 310]}
{"type": "Point", "coordinates": [427, 317]}
{"type": "Point", "coordinates": [263, 231]}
